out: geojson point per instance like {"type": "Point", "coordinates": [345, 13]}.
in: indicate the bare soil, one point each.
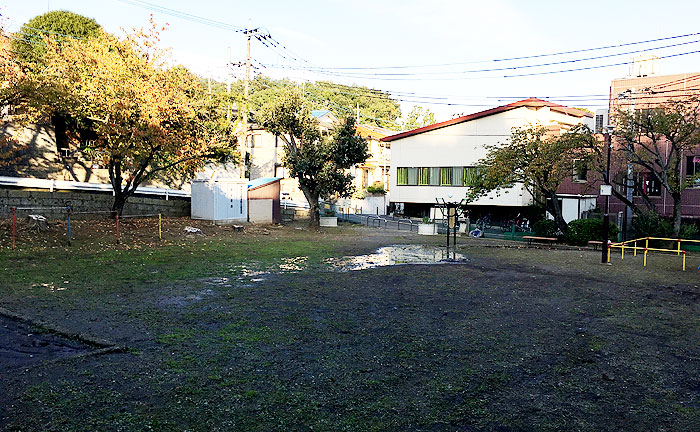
{"type": "Point", "coordinates": [219, 338]}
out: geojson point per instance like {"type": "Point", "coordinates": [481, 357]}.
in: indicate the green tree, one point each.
{"type": "Point", "coordinates": [376, 107]}
{"type": "Point", "coordinates": [29, 45]}
{"type": "Point", "coordinates": [538, 160]}
{"type": "Point", "coordinates": [657, 140]}
{"type": "Point", "coordinates": [143, 116]}
{"type": "Point", "coordinates": [320, 164]}
{"type": "Point", "coordinates": [418, 117]}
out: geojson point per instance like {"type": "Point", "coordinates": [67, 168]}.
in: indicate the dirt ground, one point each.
{"type": "Point", "coordinates": [252, 331]}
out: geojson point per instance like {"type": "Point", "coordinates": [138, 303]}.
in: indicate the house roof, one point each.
{"type": "Point", "coordinates": [319, 113]}
{"type": "Point", "coordinates": [373, 131]}
{"type": "Point", "coordinates": [263, 181]}
{"type": "Point", "coordinates": [531, 102]}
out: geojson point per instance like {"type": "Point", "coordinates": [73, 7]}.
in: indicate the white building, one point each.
{"type": "Point", "coordinates": [437, 161]}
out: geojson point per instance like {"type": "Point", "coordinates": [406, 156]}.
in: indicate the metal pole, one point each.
{"type": "Point", "coordinates": [160, 227]}
{"type": "Point", "coordinates": [68, 210]}
{"type": "Point", "coordinates": [117, 227]}
{"type": "Point", "coordinates": [14, 209]}
{"type": "Point", "coordinates": [454, 236]}
{"type": "Point", "coordinates": [606, 216]}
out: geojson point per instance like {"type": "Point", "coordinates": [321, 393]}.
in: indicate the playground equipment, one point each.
{"type": "Point", "coordinates": [632, 244]}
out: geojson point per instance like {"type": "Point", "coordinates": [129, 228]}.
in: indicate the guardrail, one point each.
{"type": "Point", "coordinates": [408, 221]}
{"type": "Point", "coordinates": [632, 244]}
{"type": "Point", "coordinates": [374, 218]}
{"type": "Point", "coordinates": [52, 185]}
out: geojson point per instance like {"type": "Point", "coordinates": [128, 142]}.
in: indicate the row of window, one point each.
{"type": "Point", "coordinates": [435, 176]}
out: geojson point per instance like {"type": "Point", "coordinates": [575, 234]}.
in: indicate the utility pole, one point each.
{"type": "Point", "coordinates": [606, 215]}
{"type": "Point", "coordinates": [228, 85]}
{"type": "Point", "coordinates": [246, 99]}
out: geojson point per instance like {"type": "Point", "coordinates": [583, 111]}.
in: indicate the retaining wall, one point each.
{"type": "Point", "coordinates": [87, 202]}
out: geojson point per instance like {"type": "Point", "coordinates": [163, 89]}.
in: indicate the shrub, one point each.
{"type": "Point", "coordinates": [651, 225]}
{"type": "Point", "coordinates": [376, 189]}
{"type": "Point", "coordinates": [545, 228]}
{"type": "Point", "coordinates": [688, 231]}
{"type": "Point", "coordinates": [581, 231]}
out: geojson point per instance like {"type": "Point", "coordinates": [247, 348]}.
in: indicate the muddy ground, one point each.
{"type": "Point", "coordinates": [253, 331]}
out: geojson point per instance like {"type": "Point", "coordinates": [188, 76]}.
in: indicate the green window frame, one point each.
{"type": "Point", "coordinates": [423, 176]}
{"type": "Point", "coordinates": [401, 176]}
{"type": "Point", "coordinates": [469, 177]}
{"type": "Point", "coordinates": [446, 176]}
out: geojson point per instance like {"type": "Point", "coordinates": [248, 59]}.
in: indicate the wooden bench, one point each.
{"type": "Point", "coordinates": [530, 239]}
{"type": "Point", "coordinates": [595, 244]}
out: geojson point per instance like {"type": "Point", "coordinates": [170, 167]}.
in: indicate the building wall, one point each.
{"type": "Point", "coordinates": [633, 93]}
{"type": "Point", "coordinates": [269, 192]}
{"type": "Point", "coordinates": [39, 157]}
{"type": "Point", "coordinates": [464, 144]}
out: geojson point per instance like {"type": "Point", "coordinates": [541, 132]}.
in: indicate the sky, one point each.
{"type": "Point", "coordinates": [439, 55]}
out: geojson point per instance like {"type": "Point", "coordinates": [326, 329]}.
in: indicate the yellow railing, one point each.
{"type": "Point", "coordinates": [632, 244]}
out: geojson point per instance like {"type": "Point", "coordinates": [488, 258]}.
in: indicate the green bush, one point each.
{"type": "Point", "coordinates": [688, 231]}
{"type": "Point", "coordinates": [581, 231]}
{"type": "Point", "coordinates": [545, 228]}
{"type": "Point", "coordinates": [651, 225]}
{"type": "Point", "coordinates": [376, 189]}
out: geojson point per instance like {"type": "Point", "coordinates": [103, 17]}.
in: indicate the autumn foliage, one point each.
{"type": "Point", "coordinates": [127, 107]}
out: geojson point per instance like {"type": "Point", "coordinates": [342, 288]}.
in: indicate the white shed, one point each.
{"type": "Point", "coordinates": [220, 200]}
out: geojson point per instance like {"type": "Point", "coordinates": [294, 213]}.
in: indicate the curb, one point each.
{"type": "Point", "coordinates": [104, 345]}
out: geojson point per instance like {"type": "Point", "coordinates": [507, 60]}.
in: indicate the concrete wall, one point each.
{"type": "Point", "coordinates": [85, 201]}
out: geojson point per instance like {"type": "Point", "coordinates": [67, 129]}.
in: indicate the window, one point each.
{"type": "Point", "coordinates": [457, 173]}
{"type": "Point", "coordinates": [599, 118]}
{"type": "Point", "coordinates": [435, 176]}
{"type": "Point", "coordinates": [413, 176]}
{"type": "Point", "coordinates": [646, 183]}
{"type": "Point", "coordinates": [401, 176]}
{"type": "Point", "coordinates": [652, 185]}
{"type": "Point", "coordinates": [423, 176]}
{"type": "Point", "coordinates": [445, 176]}
{"type": "Point", "coordinates": [692, 169]}
{"type": "Point", "coordinates": [580, 171]}
{"type": "Point", "coordinates": [469, 176]}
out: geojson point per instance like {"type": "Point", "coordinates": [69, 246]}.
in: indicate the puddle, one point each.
{"type": "Point", "coordinates": [246, 275]}
{"type": "Point", "coordinates": [396, 255]}
{"type": "Point", "coordinates": [294, 264]}
{"type": "Point", "coordinates": [22, 346]}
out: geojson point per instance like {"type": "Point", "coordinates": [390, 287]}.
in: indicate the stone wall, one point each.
{"type": "Point", "coordinates": [86, 202]}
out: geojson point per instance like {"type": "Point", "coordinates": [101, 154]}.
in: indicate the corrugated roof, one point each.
{"type": "Point", "coordinates": [531, 102]}
{"type": "Point", "coordinates": [263, 181]}
{"type": "Point", "coordinates": [319, 113]}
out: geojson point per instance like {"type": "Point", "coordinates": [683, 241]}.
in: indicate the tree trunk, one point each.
{"type": "Point", "coordinates": [314, 214]}
{"type": "Point", "coordinates": [676, 213]}
{"type": "Point", "coordinates": [119, 201]}
{"type": "Point", "coordinates": [555, 210]}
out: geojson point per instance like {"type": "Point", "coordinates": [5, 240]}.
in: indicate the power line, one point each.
{"type": "Point", "coordinates": [517, 58]}
{"type": "Point", "coordinates": [499, 69]}
{"type": "Point", "coordinates": [184, 15]}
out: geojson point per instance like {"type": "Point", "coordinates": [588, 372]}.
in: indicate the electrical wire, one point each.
{"type": "Point", "coordinates": [184, 15]}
